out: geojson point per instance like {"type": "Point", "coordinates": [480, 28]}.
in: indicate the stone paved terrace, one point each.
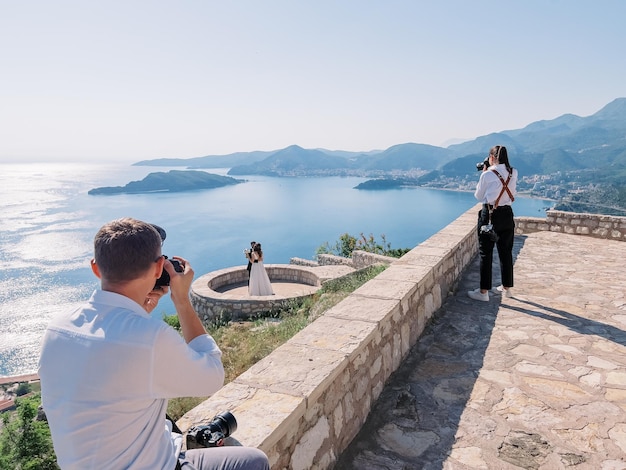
{"type": "Point", "coordinates": [536, 381]}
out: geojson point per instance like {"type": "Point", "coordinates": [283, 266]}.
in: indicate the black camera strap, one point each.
{"type": "Point", "coordinates": [176, 429]}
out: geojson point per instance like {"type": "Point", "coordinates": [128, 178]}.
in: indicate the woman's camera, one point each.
{"type": "Point", "coordinates": [481, 165]}
{"type": "Point", "coordinates": [487, 231]}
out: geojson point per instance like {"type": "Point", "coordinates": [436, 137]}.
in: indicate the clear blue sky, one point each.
{"type": "Point", "coordinates": [137, 79]}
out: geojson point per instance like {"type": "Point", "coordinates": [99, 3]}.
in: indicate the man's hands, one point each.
{"type": "Point", "coordinates": [153, 297]}
{"type": "Point", "coordinates": [180, 283]}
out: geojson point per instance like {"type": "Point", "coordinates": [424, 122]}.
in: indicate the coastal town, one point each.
{"type": "Point", "coordinates": [16, 386]}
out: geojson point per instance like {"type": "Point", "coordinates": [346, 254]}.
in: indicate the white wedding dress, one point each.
{"type": "Point", "coordinates": [259, 280]}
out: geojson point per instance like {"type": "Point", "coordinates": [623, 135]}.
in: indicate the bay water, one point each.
{"type": "Point", "coordinates": [48, 221]}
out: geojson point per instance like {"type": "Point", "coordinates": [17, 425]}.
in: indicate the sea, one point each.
{"type": "Point", "coordinates": [48, 221]}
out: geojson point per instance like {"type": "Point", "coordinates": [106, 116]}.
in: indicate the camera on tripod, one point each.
{"type": "Point", "coordinates": [212, 434]}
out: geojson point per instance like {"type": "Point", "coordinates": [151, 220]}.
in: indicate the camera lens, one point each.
{"type": "Point", "coordinates": [227, 422]}
{"type": "Point", "coordinates": [213, 433]}
{"type": "Point", "coordinates": [480, 166]}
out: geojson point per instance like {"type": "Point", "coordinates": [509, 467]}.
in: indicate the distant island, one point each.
{"type": "Point", "coordinates": [173, 181]}
{"type": "Point", "coordinates": [386, 183]}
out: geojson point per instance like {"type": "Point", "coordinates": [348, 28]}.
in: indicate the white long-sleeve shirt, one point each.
{"type": "Point", "coordinates": [489, 186]}
{"type": "Point", "coordinates": [107, 370]}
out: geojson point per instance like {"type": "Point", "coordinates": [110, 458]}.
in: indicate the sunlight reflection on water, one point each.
{"type": "Point", "coordinates": [45, 247]}
{"type": "Point", "coordinates": [26, 311]}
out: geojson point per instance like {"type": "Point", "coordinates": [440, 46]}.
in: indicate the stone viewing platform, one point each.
{"type": "Point", "coordinates": [409, 373]}
{"type": "Point", "coordinates": [224, 293]}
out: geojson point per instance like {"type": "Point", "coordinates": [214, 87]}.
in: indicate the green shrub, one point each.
{"type": "Point", "coordinates": [173, 321]}
{"type": "Point", "coordinates": [25, 443]}
{"type": "Point", "coordinates": [348, 243]}
{"type": "Point", "coordinates": [23, 388]}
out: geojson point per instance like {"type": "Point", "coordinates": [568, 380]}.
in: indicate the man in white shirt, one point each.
{"type": "Point", "coordinates": [107, 369]}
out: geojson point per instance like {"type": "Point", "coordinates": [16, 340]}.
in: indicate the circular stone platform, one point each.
{"type": "Point", "coordinates": [224, 293]}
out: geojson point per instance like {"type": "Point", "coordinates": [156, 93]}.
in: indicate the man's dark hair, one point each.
{"type": "Point", "coordinates": [125, 248]}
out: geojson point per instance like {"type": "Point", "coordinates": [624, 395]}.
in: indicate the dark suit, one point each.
{"type": "Point", "coordinates": [249, 267]}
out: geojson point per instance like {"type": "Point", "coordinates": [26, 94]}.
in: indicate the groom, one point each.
{"type": "Point", "coordinates": [248, 254]}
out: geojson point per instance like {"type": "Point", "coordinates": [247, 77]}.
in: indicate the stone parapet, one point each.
{"type": "Point", "coordinates": [360, 259]}
{"type": "Point", "coordinates": [305, 402]}
{"type": "Point", "coordinates": [303, 262]}
{"type": "Point", "coordinates": [333, 260]}
{"type": "Point", "coordinates": [574, 223]}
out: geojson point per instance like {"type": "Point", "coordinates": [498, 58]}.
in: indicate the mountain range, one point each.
{"type": "Point", "coordinates": [564, 144]}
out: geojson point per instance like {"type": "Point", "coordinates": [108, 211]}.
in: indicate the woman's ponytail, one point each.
{"type": "Point", "coordinates": [503, 157]}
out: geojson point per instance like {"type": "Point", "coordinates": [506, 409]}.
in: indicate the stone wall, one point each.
{"type": "Point", "coordinates": [333, 260]}
{"type": "Point", "coordinates": [574, 223]}
{"type": "Point", "coordinates": [303, 262]}
{"type": "Point", "coordinates": [305, 402]}
{"type": "Point", "coordinates": [362, 259]}
{"type": "Point", "coordinates": [359, 260]}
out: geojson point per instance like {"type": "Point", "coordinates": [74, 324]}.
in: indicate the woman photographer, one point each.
{"type": "Point", "coordinates": [496, 190]}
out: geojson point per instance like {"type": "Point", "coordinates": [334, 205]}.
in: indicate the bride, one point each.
{"type": "Point", "coordinates": [259, 280]}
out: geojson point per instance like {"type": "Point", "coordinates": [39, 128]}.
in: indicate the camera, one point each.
{"type": "Point", "coordinates": [487, 231]}
{"type": "Point", "coordinates": [212, 434]}
{"type": "Point", "coordinates": [486, 228]}
{"type": "Point", "coordinates": [481, 165]}
{"type": "Point", "coordinates": [164, 280]}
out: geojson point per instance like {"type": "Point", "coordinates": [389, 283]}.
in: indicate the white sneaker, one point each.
{"type": "Point", "coordinates": [506, 292]}
{"type": "Point", "coordinates": [476, 294]}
